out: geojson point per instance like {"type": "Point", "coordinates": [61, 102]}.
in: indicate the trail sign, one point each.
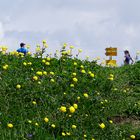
{"type": "Point", "coordinates": [111, 51]}
{"type": "Point", "coordinates": [111, 62]}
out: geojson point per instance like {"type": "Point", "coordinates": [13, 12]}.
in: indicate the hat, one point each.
{"type": "Point", "coordinates": [22, 44]}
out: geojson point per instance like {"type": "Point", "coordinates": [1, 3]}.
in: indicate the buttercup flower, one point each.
{"type": "Point", "coordinates": [74, 126]}
{"type": "Point", "coordinates": [133, 137]}
{"type": "Point", "coordinates": [102, 125]}
{"type": "Point", "coordinates": [47, 63]}
{"type": "Point", "coordinates": [53, 126]}
{"type": "Point", "coordinates": [72, 109]}
{"type": "Point", "coordinates": [86, 95]}
{"type": "Point", "coordinates": [18, 86]}
{"type": "Point", "coordinates": [68, 133]}
{"type": "Point", "coordinates": [39, 73]}
{"type": "Point", "coordinates": [36, 124]}
{"type": "Point", "coordinates": [5, 67]}
{"type": "Point", "coordinates": [44, 72]}
{"type": "Point", "coordinates": [71, 85]}
{"type": "Point", "coordinates": [92, 75]}
{"type": "Point", "coordinates": [52, 80]}
{"type": "Point", "coordinates": [10, 125]}
{"type": "Point", "coordinates": [63, 134]}
{"type": "Point", "coordinates": [111, 121]}
{"type": "Point", "coordinates": [46, 119]}
{"type": "Point", "coordinates": [43, 61]}
{"type": "Point", "coordinates": [63, 109]}
{"type": "Point", "coordinates": [83, 71]}
{"type": "Point", "coordinates": [75, 106]}
{"type": "Point", "coordinates": [29, 121]}
{"type": "Point", "coordinates": [75, 64]}
{"type": "Point", "coordinates": [24, 63]}
{"type": "Point", "coordinates": [75, 79]}
{"type": "Point", "coordinates": [35, 78]}
{"type": "Point", "coordinates": [74, 74]}
{"type": "Point", "coordinates": [34, 102]}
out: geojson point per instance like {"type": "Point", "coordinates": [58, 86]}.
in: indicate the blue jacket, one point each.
{"type": "Point", "coordinates": [22, 50]}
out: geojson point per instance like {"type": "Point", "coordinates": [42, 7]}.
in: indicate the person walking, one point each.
{"type": "Point", "coordinates": [127, 58]}
{"type": "Point", "coordinates": [22, 48]}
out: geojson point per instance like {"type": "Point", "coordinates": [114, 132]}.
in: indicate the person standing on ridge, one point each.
{"type": "Point", "coordinates": [127, 58]}
{"type": "Point", "coordinates": [22, 49]}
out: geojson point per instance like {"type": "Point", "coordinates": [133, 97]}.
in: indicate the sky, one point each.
{"type": "Point", "coordinates": [90, 25]}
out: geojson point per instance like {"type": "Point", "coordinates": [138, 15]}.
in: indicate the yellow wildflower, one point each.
{"type": "Point", "coordinates": [39, 73]}
{"type": "Point", "coordinates": [47, 63]}
{"type": "Point", "coordinates": [18, 86]}
{"type": "Point", "coordinates": [10, 125]}
{"type": "Point", "coordinates": [83, 71]}
{"type": "Point", "coordinates": [133, 137]}
{"type": "Point", "coordinates": [75, 79]}
{"type": "Point", "coordinates": [72, 109]}
{"type": "Point", "coordinates": [46, 119]}
{"type": "Point", "coordinates": [71, 85]}
{"type": "Point", "coordinates": [102, 125]}
{"type": "Point", "coordinates": [74, 126]}
{"type": "Point", "coordinates": [63, 134]}
{"type": "Point", "coordinates": [53, 126]}
{"type": "Point", "coordinates": [75, 106]}
{"type": "Point", "coordinates": [74, 74]}
{"type": "Point", "coordinates": [34, 102]}
{"type": "Point", "coordinates": [86, 95]}
{"type": "Point", "coordinates": [35, 78]}
{"type": "Point", "coordinates": [63, 109]}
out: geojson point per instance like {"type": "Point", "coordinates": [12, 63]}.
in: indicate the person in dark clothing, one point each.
{"type": "Point", "coordinates": [127, 58]}
{"type": "Point", "coordinates": [22, 49]}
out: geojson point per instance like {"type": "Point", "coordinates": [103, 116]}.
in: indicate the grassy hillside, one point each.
{"type": "Point", "coordinates": [66, 98]}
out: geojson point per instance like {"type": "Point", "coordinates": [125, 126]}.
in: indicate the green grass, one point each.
{"type": "Point", "coordinates": [103, 104]}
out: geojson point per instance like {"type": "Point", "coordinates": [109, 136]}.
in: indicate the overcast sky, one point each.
{"type": "Point", "coordinates": [91, 25]}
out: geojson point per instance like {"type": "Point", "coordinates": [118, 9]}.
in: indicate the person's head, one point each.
{"type": "Point", "coordinates": [22, 45]}
{"type": "Point", "coordinates": [126, 52]}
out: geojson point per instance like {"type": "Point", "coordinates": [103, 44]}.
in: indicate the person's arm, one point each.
{"type": "Point", "coordinates": [18, 50]}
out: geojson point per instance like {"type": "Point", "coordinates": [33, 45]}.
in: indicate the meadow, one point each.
{"type": "Point", "coordinates": [65, 98]}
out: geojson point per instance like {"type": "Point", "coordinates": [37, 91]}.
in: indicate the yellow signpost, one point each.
{"type": "Point", "coordinates": [111, 52]}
